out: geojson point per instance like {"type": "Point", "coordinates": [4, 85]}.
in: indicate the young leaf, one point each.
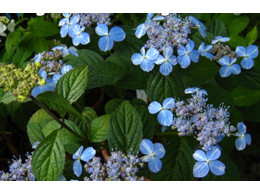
{"type": "Point", "coordinates": [238, 25]}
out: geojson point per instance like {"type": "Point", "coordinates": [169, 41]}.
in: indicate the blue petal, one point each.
{"type": "Point", "coordinates": [199, 155]}
{"type": "Point", "coordinates": [84, 38]}
{"type": "Point", "coordinates": [208, 47]}
{"type": "Point", "coordinates": [173, 60]}
{"type": "Point", "coordinates": [169, 103]}
{"type": "Point", "coordinates": [73, 52]}
{"type": "Point", "coordinates": [76, 40]}
{"type": "Point", "coordinates": [165, 118]}
{"type": "Point", "coordinates": [77, 153]}
{"type": "Point", "coordinates": [101, 29]}
{"type": "Point", "coordinates": [149, 16]}
{"type": "Point", "coordinates": [154, 107]}
{"type": "Point", "coordinates": [140, 31]}
{"type": "Point", "coordinates": [224, 61]}
{"type": "Point", "coordinates": [190, 46]}
{"type": "Point", "coordinates": [156, 18]}
{"type": "Point", "coordinates": [155, 165]}
{"type": "Point", "coordinates": [194, 56]}
{"type": "Point", "coordinates": [194, 20]}
{"type": "Point", "coordinates": [67, 15]}
{"type": "Point", "coordinates": [147, 158]}
{"type": "Point", "coordinates": [159, 60]}
{"type": "Point", "coordinates": [42, 73]}
{"type": "Point", "coordinates": [168, 52]}
{"type": "Point", "coordinates": [117, 33]}
{"type": "Point", "coordinates": [224, 39]}
{"type": "Point", "coordinates": [147, 65]}
{"type": "Point", "coordinates": [225, 71]}
{"type": "Point", "coordinates": [56, 77]}
{"type": "Point", "coordinates": [252, 51]}
{"type": "Point", "coordinates": [233, 60]}
{"type": "Point", "coordinates": [159, 150]}
{"type": "Point", "coordinates": [240, 143]}
{"type": "Point", "coordinates": [64, 30]}
{"type": "Point", "coordinates": [105, 43]}
{"type": "Point", "coordinates": [241, 127]}
{"type": "Point", "coordinates": [217, 167]}
{"type": "Point", "coordinates": [66, 69]}
{"type": "Point", "coordinates": [75, 19]}
{"type": "Point", "coordinates": [200, 169]}
{"type": "Point", "coordinates": [214, 153]}
{"type": "Point", "coordinates": [88, 154]}
{"type": "Point", "coordinates": [247, 63]}
{"type": "Point", "coordinates": [77, 168]}
{"type": "Point", "coordinates": [184, 61]}
{"type": "Point", "coordinates": [36, 91]}
{"type": "Point", "coordinates": [72, 32]}
{"type": "Point", "coordinates": [146, 146]}
{"type": "Point", "coordinates": [248, 139]}
{"type": "Point", "coordinates": [241, 51]}
{"type": "Point", "coordinates": [191, 90]}
{"type": "Point", "coordinates": [152, 54]}
{"type": "Point", "coordinates": [201, 47]}
{"type": "Point", "coordinates": [166, 68]}
{"type": "Point", "coordinates": [203, 32]}
{"type": "Point", "coordinates": [208, 55]}
{"type": "Point", "coordinates": [235, 69]}
{"type": "Point", "coordinates": [143, 51]}
{"type": "Point", "coordinates": [137, 58]}
{"type": "Point", "coordinates": [181, 50]}
{"type": "Point", "coordinates": [63, 21]}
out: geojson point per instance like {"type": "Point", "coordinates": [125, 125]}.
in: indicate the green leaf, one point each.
{"type": "Point", "coordinates": [111, 105]}
{"type": "Point", "coordinates": [49, 158]}
{"type": "Point", "coordinates": [252, 36]}
{"type": "Point", "coordinates": [12, 42]}
{"type": "Point", "coordinates": [236, 40]}
{"type": "Point", "coordinates": [7, 98]}
{"type": "Point", "coordinates": [125, 131]}
{"type": "Point", "coordinates": [244, 97]}
{"type": "Point", "coordinates": [238, 25]}
{"type": "Point", "coordinates": [250, 78]}
{"type": "Point", "coordinates": [39, 27]}
{"type": "Point", "coordinates": [57, 103]}
{"type": "Point", "coordinates": [99, 128]}
{"type": "Point", "coordinates": [35, 125]}
{"type": "Point", "coordinates": [217, 28]}
{"type": "Point", "coordinates": [251, 113]}
{"type": "Point", "coordinates": [73, 84]}
{"type": "Point", "coordinates": [40, 44]}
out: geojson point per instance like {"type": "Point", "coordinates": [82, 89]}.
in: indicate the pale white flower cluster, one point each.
{"type": "Point", "coordinates": [5, 24]}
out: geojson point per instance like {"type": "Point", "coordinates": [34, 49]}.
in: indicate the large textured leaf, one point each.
{"type": "Point", "coordinates": [245, 97]}
{"type": "Point", "coordinates": [125, 131]}
{"type": "Point", "coordinates": [7, 98]}
{"type": "Point", "coordinates": [238, 25]}
{"type": "Point", "coordinates": [250, 78]}
{"type": "Point", "coordinates": [217, 28]}
{"type": "Point", "coordinates": [49, 158]}
{"type": "Point", "coordinates": [35, 125]}
{"type": "Point", "coordinates": [39, 27]}
{"type": "Point", "coordinates": [252, 36]}
{"type": "Point", "coordinates": [40, 44]}
{"type": "Point", "coordinates": [111, 105]}
{"type": "Point", "coordinates": [73, 84]}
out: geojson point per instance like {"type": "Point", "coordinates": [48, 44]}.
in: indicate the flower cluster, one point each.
{"type": "Point", "coordinates": [91, 18]}
{"type": "Point", "coordinates": [5, 23]}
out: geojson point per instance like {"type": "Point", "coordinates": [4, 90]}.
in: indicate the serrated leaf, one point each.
{"type": "Point", "coordinates": [35, 125]}
{"type": "Point", "coordinates": [244, 97]}
{"type": "Point", "coordinates": [73, 84]}
{"type": "Point", "coordinates": [7, 98]}
{"type": "Point", "coordinates": [252, 36]}
{"type": "Point", "coordinates": [125, 130]}
{"type": "Point", "coordinates": [217, 28]}
{"type": "Point", "coordinates": [111, 105]}
{"type": "Point", "coordinates": [49, 158]}
{"type": "Point", "coordinates": [238, 25]}
{"type": "Point", "coordinates": [40, 44]}
{"type": "Point", "coordinates": [39, 27]}
{"type": "Point", "coordinates": [99, 128]}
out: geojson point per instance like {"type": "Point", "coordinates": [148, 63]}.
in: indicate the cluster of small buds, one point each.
{"type": "Point", "coordinates": [90, 18]}
{"type": "Point", "coordinates": [220, 50]}
{"type": "Point", "coordinates": [19, 171]}
{"type": "Point", "coordinates": [119, 167]}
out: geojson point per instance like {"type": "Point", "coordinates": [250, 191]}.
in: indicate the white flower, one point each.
{"type": "Point", "coordinates": [11, 26]}
{"type": "Point", "coordinates": [2, 29]}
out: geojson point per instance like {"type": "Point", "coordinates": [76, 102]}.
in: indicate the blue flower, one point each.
{"type": "Point", "coordinates": [208, 162]}
{"type": "Point", "coordinates": [199, 25]}
{"type": "Point", "coordinates": [187, 54]}
{"type": "Point", "coordinates": [146, 60]}
{"type": "Point", "coordinates": [228, 67]}
{"type": "Point", "coordinates": [85, 155]}
{"type": "Point", "coordinates": [204, 51]}
{"type": "Point", "coordinates": [243, 138]}
{"type": "Point", "coordinates": [167, 61]}
{"type": "Point", "coordinates": [66, 51]}
{"type": "Point", "coordinates": [79, 37]}
{"type": "Point", "coordinates": [68, 24]}
{"type": "Point", "coordinates": [153, 154]}
{"type": "Point", "coordinates": [197, 90]}
{"type": "Point", "coordinates": [165, 116]}
{"type": "Point", "coordinates": [106, 42]}
{"type": "Point", "coordinates": [37, 58]}
{"type": "Point", "coordinates": [49, 86]}
{"type": "Point", "coordinates": [220, 39]}
{"type": "Point", "coordinates": [249, 54]}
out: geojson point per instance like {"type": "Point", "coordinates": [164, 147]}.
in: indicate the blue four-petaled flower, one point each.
{"type": "Point", "coordinates": [199, 25]}
{"type": "Point", "coordinates": [205, 51]}
{"type": "Point", "coordinates": [220, 39]}
{"type": "Point", "coordinates": [153, 153]}
{"type": "Point", "coordinates": [79, 36]}
{"type": "Point", "coordinates": [106, 42]}
{"type": "Point", "coordinates": [249, 54]}
{"type": "Point", "coordinates": [197, 90]}
{"type": "Point", "coordinates": [165, 116]}
{"type": "Point", "coordinates": [85, 155]}
{"type": "Point", "coordinates": [66, 51]}
{"type": "Point", "coordinates": [146, 60]}
{"type": "Point", "coordinates": [208, 162]}
{"type": "Point", "coordinates": [166, 61]}
{"type": "Point", "coordinates": [228, 67]}
{"type": "Point", "coordinates": [243, 137]}
{"type": "Point", "coordinates": [67, 24]}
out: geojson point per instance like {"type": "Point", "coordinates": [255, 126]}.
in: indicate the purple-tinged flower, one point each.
{"type": "Point", "coordinates": [195, 90]}
{"type": "Point", "coordinates": [66, 51]}
{"type": "Point", "coordinates": [79, 36]}
{"type": "Point", "coordinates": [106, 42]}
{"type": "Point", "coordinates": [249, 54]}
{"type": "Point", "coordinates": [220, 39]}
{"type": "Point", "coordinates": [228, 67]}
{"type": "Point", "coordinates": [204, 51]}
{"type": "Point", "coordinates": [153, 153]}
{"type": "Point", "coordinates": [208, 162]}
{"type": "Point", "coordinates": [243, 137]}
{"type": "Point", "coordinates": [187, 54]}
{"type": "Point", "coordinates": [199, 25]}
{"type": "Point", "coordinates": [165, 116]}
{"type": "Point", "coordinates": [67, 25]}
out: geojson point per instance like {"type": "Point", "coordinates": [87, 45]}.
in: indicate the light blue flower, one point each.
{"type": "Point", "coordinates": [249, 54]}
{"type": "Point", "coordinates": [243, 138]}
{"type": "Point", "coordinates": [106, 42]}
{"type": "Point", "coordinates": [153, 153]}
{"type": "Point", "coordinates": [66, 51]}
{"type": "Point", "coordinates": [187, 54]}
{"type": "Point", "coordinates": [204, 51]}
{"type": "Point", "coordinates": [165, 116]}
{"type": "Point", "coordinates": [35, 144]}
{"type": "Point", "coordinates": [146, 60]}
{"type": "Point", "coordinates": [220, 39]}
{"type": "Point", "coordinates": [208, 162]}
{"type": "Point", "coordinates": [166, 61]}
{"type": "Point", "coordinates": [199, 25]}
{"type": "Point", "coordinates": [85, 155]}
{"type": "Point", "coordinates": [68, 24]}
{"type": "Point", "coordinates": [228, 67]}
{"type": "Point", "coordinates": [37, 58]}
{"type": "Point", "coordinates": [49, 86]}
{"type": "Point", "coordinates": [79, 37]}
{"type": "Point", "coordinates": [197, 90]}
